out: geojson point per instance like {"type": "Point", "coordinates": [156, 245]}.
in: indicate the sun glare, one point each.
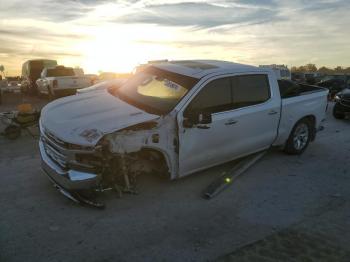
{"type": "Point", "coordinates": [119, 50]}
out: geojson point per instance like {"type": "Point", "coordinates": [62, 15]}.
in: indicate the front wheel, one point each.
{"type": "Point", "coordinates": [299, 138]}
{"type": "Point", "coordinates": [337, 113]}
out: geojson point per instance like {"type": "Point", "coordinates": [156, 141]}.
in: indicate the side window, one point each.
{"type": "Point", "coordinates": [250, 90]}
{"type": "Point", "coordinates": [214, 97]}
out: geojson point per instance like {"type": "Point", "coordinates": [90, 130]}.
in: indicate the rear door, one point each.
{"type": "Point", "coordinates": [244, 120]}
{"type": "Point", "coordinates": [256, 114]}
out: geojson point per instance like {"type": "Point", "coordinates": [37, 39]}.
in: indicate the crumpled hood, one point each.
{"type": "Point", "coordinates": [83, 119]}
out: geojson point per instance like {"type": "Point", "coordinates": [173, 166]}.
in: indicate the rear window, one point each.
{"type": "Point", "coordinates": [288, 88]}
{"type": "Point", "coordinates": [60, 72]}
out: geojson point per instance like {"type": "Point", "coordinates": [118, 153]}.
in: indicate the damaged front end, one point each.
{"type": "Point", "coordinates": [114, 163]}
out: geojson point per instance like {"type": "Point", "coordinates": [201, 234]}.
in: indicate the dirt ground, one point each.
{"type": "Point", "coordinates": [283, 207]}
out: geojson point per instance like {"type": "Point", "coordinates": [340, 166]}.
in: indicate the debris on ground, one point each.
{"type": "Point", "coordinates": [227, 178]}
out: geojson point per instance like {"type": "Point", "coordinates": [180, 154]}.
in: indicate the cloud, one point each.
{"type": "Point", "coordinates": [249, 31]}
{"type": "Point", "coordinates": [49, 10]}
{"type": "Point", "coordinates": [270, 3]}
{"type": "Point", "coordinates": [27, 33]}
{"type": "Point", "coordinates": [201, 15]}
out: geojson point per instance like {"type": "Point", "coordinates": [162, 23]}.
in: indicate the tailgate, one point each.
{"type": "Point", "coordinates": [74, 82]}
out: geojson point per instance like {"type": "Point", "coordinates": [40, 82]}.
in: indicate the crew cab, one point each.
{"type": "Point", "coordinates": [174, 118]}
{"type": "Point", "coordinates": [60, 80]}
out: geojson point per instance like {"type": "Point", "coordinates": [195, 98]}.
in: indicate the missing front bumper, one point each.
{"type": "Point", "coordinates": [67, 179]}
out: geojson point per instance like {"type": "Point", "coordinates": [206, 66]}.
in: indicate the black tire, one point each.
{"type": "Point", "coordinates": [12, 132]}
{"type": "Point", "coordinates": [336, 113]}
{"type": "Point", "coordinates": [299, 138]}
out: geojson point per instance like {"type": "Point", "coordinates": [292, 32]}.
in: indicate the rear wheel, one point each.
{"type": "Point", "coordinates": [299, 138]}
{"type": "Point", "coordinates": [337, 113]}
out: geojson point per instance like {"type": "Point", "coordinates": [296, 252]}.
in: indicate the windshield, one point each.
{"type": "Point", "coordinates": [67, 71]}
{"type": "Point", "coordinates": [155, 91]}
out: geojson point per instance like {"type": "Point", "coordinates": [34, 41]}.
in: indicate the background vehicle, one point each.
{"type": "Point", "coordinates": [175, 118]}
{"type": "Point", "coordinates": [93, 78]}
{"type": "Point", "coordinates": [60, 80]}
{"type": "Point", "coordinates": [312, 78]}
{"type": "Point", "coordinates": [31, 71]}
{"type": "Point", "coordinates": [342, 104]}
{"type": "Point", "coordinates": [13, 84]}
{"type": "Point", "coordinates": [281, 71]}
{"type": "Point", "coordinates": [298, 77]}
{"type": "Point", "coordinates": [335, 83]}
{"type": "Point", "coordinates": [3, 84]}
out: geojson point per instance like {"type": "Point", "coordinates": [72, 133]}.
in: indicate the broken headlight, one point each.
{"type": "Point", "coordinates": [87, 163]}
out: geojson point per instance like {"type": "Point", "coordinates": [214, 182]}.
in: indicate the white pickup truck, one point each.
{"type": "Point", "coordinates": [175, 118]}
{"type": "Point", "coordinates": [60, 80]}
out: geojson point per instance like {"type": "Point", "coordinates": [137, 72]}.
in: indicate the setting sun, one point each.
{"type": "Point", "coordinates": [118, 49]}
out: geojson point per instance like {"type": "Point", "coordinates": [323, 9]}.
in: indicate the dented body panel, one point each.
{"type": "Point", "coordinates": [85, 118]}
{"type": "Point", "coordinates": [99, 133]}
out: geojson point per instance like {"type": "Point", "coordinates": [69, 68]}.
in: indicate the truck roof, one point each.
{"type": "Point", "coordinates": [201, 68]}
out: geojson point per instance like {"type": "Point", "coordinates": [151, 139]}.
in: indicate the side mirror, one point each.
{"type": "Point", "coordinates": [204, 118]}
{"type": "Point", "coordinates": [196, 119]}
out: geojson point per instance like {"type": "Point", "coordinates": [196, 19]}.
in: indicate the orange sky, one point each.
{"type": "Point", "coordinates": [117, 35]}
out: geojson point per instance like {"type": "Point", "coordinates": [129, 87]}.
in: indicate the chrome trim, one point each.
{"type": "Point", "coordinates": [79, 176]}
{"type": "Point", "coordinates": [67, 179]}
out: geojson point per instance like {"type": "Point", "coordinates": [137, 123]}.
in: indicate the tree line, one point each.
{"type": "Point", "coordinates": [322, 69]}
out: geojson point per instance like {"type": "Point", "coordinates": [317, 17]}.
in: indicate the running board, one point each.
{"type": "Point", "coordinates": [227, 178]}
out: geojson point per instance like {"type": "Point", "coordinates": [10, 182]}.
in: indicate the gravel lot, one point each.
{"type": "Point", "coordinates": [169, 221]}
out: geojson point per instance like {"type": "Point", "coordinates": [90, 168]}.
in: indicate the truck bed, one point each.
{"type": "Point", "coordinates": [290, 89]}
{"type": "Point", "coordinates": [298, 101]}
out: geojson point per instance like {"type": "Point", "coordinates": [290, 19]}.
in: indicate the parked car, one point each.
{"type": "Point", "coordinates": [31, 71]}
{"type": "Point", "coordinates": [60, 81]}
{"type": "Point", "coordinates": [298, 77]}
{"type": "Point", "coordinates": [311, 78]}
{"type": "Point", "coordinates": [13, 84]}
{"type": "Point", "coordinates": [334, 84]}
{"type": "Point", "coordinates": [174, 118]}
{"type": "Point", "coordinates": [342, 104]}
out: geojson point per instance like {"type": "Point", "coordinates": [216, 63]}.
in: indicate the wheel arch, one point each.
{"type": "Point", "coordinates": [312, 120]}
{"type": "Point", "coordinates": [164, 156]}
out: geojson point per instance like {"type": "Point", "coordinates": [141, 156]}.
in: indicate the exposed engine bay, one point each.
{"type": "Point", "coordinates": [116, 161]}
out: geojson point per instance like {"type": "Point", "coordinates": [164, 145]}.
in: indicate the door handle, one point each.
{"type": "Point", "coordinates": [231, 122]}
{"type": "Point", "coordinates": [273, 112]}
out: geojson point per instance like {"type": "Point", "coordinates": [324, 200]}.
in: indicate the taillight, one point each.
{"type": "Point", "coordinates": [54, 84]}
